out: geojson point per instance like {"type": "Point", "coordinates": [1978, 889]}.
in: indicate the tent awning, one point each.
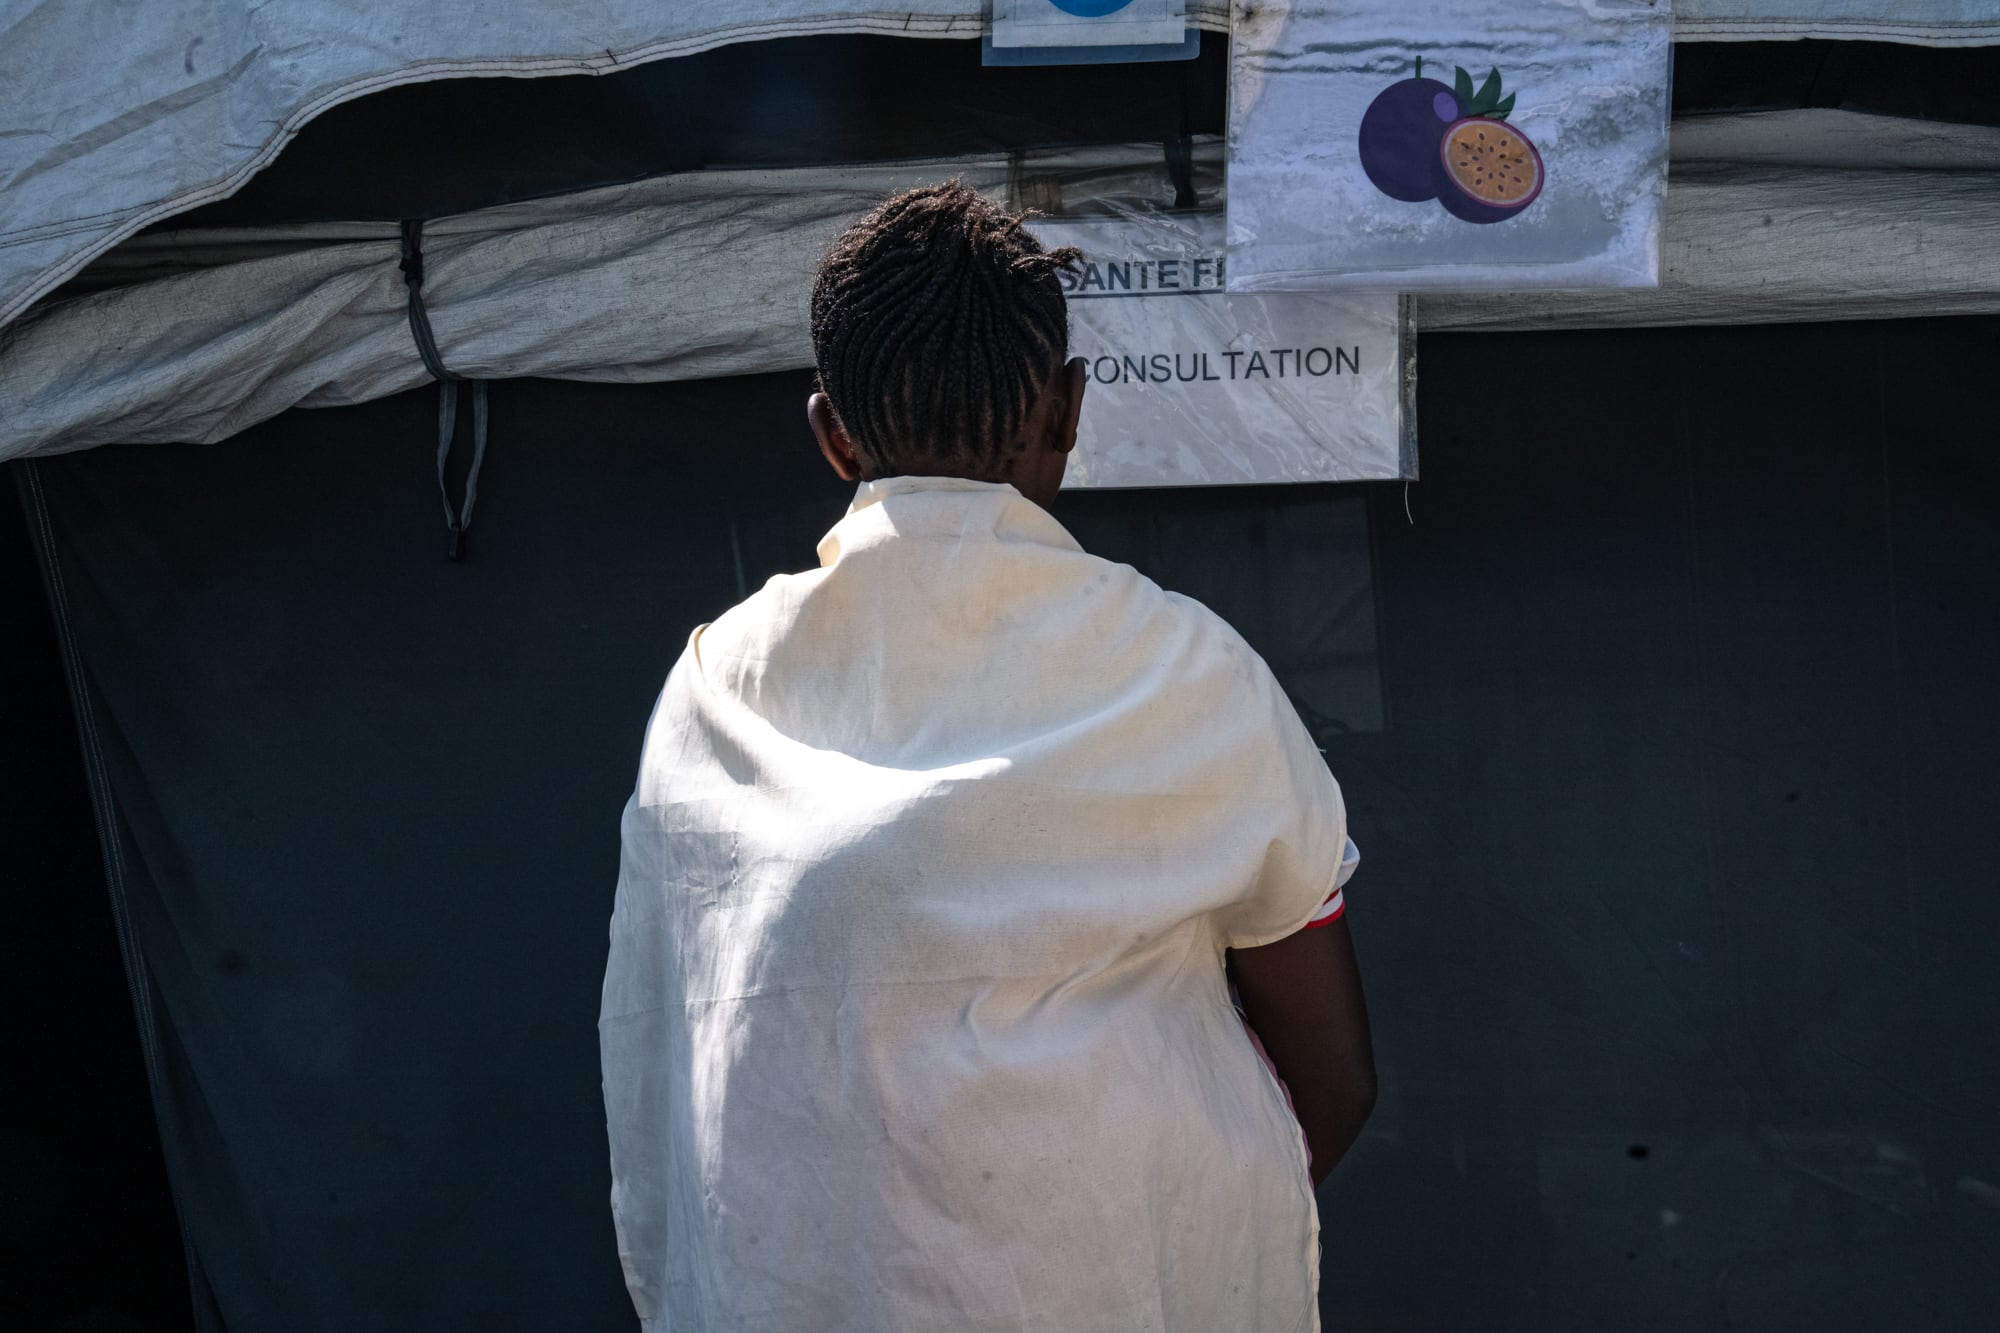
{"type": "Point", "coordinates": [1922, 22]}
{"type": "Point", "coordinates": [122, 117]}
{"type": "Point", "coordinates": [1770, 217]}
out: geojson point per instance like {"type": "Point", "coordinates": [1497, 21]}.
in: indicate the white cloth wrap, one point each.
{"type": "Point", "coordinates": [915, 1015]}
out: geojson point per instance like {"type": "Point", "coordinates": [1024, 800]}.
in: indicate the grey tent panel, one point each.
{"type": "Point", "coordinates": [363, 807]}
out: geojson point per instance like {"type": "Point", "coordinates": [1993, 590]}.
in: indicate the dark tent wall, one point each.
{"type": "Point", "coordinates": [1683, 922]}
{"type": "Point", "coordinates": [362, 798]}
{"type": "Point", "coordinates": [1666, 726]}
{"type": "Point", "coordinates": [80, 1170]}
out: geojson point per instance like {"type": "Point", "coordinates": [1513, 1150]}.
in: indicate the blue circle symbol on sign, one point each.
{"type": "Point", "coordinates": [1090, 9]}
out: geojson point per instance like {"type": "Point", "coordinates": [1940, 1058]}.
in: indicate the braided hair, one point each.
{"type": "Point", "coordinates": [936, 321]}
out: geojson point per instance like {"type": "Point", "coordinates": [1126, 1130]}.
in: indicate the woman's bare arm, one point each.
{"type": "Point", "coordinates": [1302, 995]}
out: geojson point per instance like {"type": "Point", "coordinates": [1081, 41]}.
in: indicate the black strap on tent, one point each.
{"type": "Point", "coordinates": [457, 519]}
{"type": "Point", "coordinates": [1180, 138]}
{"type": "Point", "coordinates": [1180, 170]}
{"type": "Point", "coordinates": [447, 427]}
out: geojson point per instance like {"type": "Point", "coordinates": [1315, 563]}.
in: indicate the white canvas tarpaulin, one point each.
{"type": "Point", "coordinates": [1920, 22]}
{"type": "Point", "coordinates": [1795, 215]}
{"type": "Point", "coordinates": [1784, 216]}
{"type": "Point", "coordinates": [119, 116]}
{"type": "Point", "coordinates": [680, 277]}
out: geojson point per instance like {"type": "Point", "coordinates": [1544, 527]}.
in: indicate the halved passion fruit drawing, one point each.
{"type": "Point", "coordinates": [1421, 141]}
{"type": "Point", "coordinates": [1491, 170]}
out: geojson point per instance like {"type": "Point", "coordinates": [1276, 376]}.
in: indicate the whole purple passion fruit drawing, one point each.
{"type": "Point", "coordinates": [1421, 140]}
{"type": "Point", "coordinates": [1400, 133]}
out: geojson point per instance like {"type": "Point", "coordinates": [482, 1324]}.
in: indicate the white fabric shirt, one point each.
{"type": "Point", "coordinates": [915, 1015]}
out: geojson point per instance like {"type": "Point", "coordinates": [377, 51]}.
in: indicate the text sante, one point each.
{"type": "Point", "coordinates": [1200, 273]}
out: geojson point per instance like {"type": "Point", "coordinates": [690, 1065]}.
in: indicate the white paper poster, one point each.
{"type": "Point", "coordinates": [1447, 144]}
{"type": "Point", "coordinates": [1192, 386]}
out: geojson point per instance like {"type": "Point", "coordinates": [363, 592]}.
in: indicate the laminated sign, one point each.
{"type": "Point", "coordinates": [1191, 386]}
{"type": "Point", "coordinates": [1089, 22]}
{"type": "Point", "coordinates": [1447, 144]}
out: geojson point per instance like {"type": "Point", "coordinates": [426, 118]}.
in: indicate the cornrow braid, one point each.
{"type": "Point", "coordinates": [936, 320]}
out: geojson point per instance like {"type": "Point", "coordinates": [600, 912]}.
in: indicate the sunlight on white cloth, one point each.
{"type": "Point", "coordinates": [915, 1014]}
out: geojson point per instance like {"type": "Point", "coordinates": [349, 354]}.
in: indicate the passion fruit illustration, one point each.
{"type": "Point", "coordinates": [1487, 170]}
{"type": "Point", "coordinates": [1421, 140]}
{"type": "Point", "coordinates": [1400, 133]}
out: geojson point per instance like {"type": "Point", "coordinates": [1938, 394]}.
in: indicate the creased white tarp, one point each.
{"type": "Point", "coordinates": [1797, 215]}
{"type": "Point", "coordinates": [120, 114]}
{"type": "Point", "coordinates": [1921, 22]}
{"type": "Point", "coordinates": [116, 114]}
{"type": "Point", "coordinates": [680, 277]}
{"type": "Point", "coordinates": [1779, 216]}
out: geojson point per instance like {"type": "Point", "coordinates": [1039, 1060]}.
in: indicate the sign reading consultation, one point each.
{"type": "Point", "coordinates": [1192, 386]}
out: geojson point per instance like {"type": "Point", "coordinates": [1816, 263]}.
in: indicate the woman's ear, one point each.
{"type": "Point", "coordinates": [832, 437]}
{"type": "Point", "coordinates": [1075, 377]}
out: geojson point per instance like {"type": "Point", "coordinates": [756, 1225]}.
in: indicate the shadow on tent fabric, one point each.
{"type": "Point", "coordinates": [82, 1163]}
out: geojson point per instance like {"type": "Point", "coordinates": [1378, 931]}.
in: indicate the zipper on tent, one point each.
{"type": "Point", "coordinates": [457, 518]}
